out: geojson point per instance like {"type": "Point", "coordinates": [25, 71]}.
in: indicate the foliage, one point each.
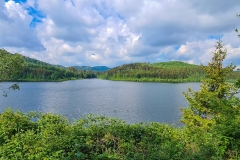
{"type": "Point", "coordinates": [36, 70]}
{"type": "Point", "coordinates": [15, 67]}
{"type": "Point", "coordinates": [47, 136]}
{"type": "Point", "coordinates": [95, 137]}
{"type": "Point", "coordinates": [11, 65]}
{"type": "Point", "coordinates": [174, 71]}
{"type": "Point", "coordinates": [174, 64]}
{"type": "Point", "coordinates": [156, 72]}
{"type": "Point", "coordinates": [215, 109]}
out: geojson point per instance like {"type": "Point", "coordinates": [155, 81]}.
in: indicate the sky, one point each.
{"type": "Point", "coordinates": [115, 32]}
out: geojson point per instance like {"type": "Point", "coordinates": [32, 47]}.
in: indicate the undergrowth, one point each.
{"type": "Point", "coordinates": [48, 136]}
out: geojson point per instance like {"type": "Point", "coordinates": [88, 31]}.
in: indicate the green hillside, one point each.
{"type": "Point", "coordinates": [156, 72]}
{"type": "Point", "coordinates": [173, 71]}
{"type": "Point", "coordinates": [11, 65]}
{"type": "Point", "coordinates": [35, 70]}
{"type": "Point", "coordinates": [173, 64]}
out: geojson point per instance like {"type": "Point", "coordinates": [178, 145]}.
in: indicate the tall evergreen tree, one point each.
{"type": "Point", "coordinates": [215, 91]}
{"type": "Point", "coordinates": [215, 108]}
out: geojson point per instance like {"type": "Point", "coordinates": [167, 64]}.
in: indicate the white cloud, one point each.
{"type": "Point", "coordinates": [231, 38]}
{"type": "Point", "coordinates": [15, 30]}
{"type": "Point", "coordinates": [182, 49]}
{"type": "Point", "coordinates": [102, 32]}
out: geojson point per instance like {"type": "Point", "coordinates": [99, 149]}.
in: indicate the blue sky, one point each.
{"type": "Point", "coordinates": [111, 33]}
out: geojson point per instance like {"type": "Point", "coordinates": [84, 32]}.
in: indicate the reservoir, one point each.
{"type": "Point", "coordinates": [130, 101]}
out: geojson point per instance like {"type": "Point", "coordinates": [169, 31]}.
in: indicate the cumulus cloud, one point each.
{"type": "Point", "coordinates": [72, 21]}
{"type": "Point", "coordinates": [15, 29]}
{"type": "Point", "coordinates": [168, 22]}
{"type": "Point", "coordinates": [101, 32]}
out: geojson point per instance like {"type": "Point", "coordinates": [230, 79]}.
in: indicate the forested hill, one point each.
{"type": "Point", "coordinates": [174, 71]}
{"type": "Point", "coordinates": [174, 64]}
{"type": "Point", "coordinates": [157, 72]}
{"type": "Point", "coordinates": [36, 70]}
{"type": "Point", "coordinates": [31, 61]}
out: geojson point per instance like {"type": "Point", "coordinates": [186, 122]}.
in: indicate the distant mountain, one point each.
{"type": "Point", "coordinates": [100, 68]}
{"type": "Point", "coordinates": [82, 67]}
{"type": "Point", "coordinates": [86, 68]}
{"type": "Point", "coordinates": [95, 68]}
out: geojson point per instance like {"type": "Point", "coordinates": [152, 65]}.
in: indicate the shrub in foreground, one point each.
{"type": "Point", "coordinates": [48, 136]}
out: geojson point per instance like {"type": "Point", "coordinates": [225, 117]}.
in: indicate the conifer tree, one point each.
{"type": "Point", "coordinates": [216, 96]}
{"type": "Point", "coordinates": [213, 115]}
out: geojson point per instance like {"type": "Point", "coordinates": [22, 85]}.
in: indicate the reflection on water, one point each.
{"type": "Point", "coordinates": [130, 101]}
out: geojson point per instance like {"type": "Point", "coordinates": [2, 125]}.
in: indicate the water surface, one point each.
{"type": "Point", "coordinates": [131, 101]}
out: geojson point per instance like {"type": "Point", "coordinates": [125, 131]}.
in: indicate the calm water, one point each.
{"type": "Point", "coordinates": [130, 101]}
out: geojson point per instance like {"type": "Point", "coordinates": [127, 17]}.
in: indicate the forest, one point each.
{"type": "Point", "coordinates": [173, 71]}
{"type": "Point", "coordinates": [162, 71]}
{"type": "Point", "coordinates": [35, 70]}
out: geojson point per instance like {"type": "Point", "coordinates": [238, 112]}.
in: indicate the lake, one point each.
{"type": "Point", "coordinates": [131, 101]}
